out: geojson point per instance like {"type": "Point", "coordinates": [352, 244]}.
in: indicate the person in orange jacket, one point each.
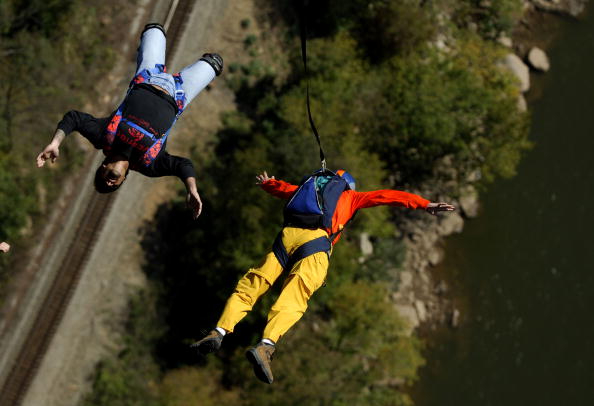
{"type": "Point", "coordinates": [317, 212]}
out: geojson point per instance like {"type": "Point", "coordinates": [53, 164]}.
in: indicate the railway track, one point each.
{"type": "Point", "coordinates": [38, 339]}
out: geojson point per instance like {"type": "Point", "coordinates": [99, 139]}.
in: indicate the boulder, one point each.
{"type": "Point", "coordinates": [434, 256]}
{"type": "Point", "coordinates": [455, 319]}
{"type": "Point", "coordinates": [515, 65]}
{"type": "Point", "coordinates": [409, 314]}
{"type": "Point", "coordinates": [406, 279]}
{"type": "Point", "coordinates": [450, 223]}
{"type": "Point", "coordinates": [565, 7]}
{"type": "Point", "coordinates": [365, 244]}
{"type": "Point", "coordinates": [538, 59]}
{"type": "Point", "coordinates": [469, 201]}
{"type": "Point", "coordinates": [441, 42]}
{"type": "Point", "coordinates": [421, 310]}
{"type": "Point", "coordinates": [521, 103]}
{"type": "Point", "coordinates": [474, 176]}
{"type": "Point", "coordinates": [441, 288]}
{"type": "Point", "coordinates": [505, 41]}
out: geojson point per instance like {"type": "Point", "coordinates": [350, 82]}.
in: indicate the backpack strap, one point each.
{"type": "Point", "coordinates": [180, 101]}
{"type": "Point", "coordinates": [332, 237]}
{"type": "Point", "coordinates": [144, 74]}
{"type": "Point", "coordinates": [112, 127]}
{"type": "Point", "coordinates": [180, 94]}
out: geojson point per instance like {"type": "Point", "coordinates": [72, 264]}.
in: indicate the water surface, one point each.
{"type": "Point", "coordinates": [523, 272]}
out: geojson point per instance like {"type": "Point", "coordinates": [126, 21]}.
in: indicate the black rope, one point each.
{"type": "Point", "coordinates": [304, 56]}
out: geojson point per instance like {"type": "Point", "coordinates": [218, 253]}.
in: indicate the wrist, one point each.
{"type": "Point", "coordinates": [58, 138]}
{"type": "Point", "coordinates": [191, 185]}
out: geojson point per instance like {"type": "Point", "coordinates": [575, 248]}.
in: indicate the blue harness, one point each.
{"type": "Point", "coordinates": [312, 206]}
{"type": "Point", "coordinates": [135, 135]}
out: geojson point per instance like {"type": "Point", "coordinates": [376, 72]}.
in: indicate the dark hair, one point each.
{"type": "Point", "coordinates": [101, 186]}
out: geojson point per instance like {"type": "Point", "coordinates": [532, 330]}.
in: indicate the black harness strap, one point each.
{"type": "Point", "coordinates": [321, 244]}
{"type": "Point", "coordinates": [332, 237]}
{"type": "Point", "coordinates": [280, 252]}
{"type": "Point", "coordinates": [304, 57]}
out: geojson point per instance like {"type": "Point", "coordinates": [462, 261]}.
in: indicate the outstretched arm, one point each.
{"type": "Point", "coordinates": [397, 198]}
{"type": "Point", "coordinates": [434, 208]}
{"type": "Point", "coordinates": [171, 165]}
{"type": "Point", "coordinates": [278, 188]}
{"type": "Point", "coordinates": [388, 197]}
{"type": "Point", "coordinates": [193, 198]}
{"type": "Point", "coordinates": [52, 151]}
{"type": "Point", "coordinates": [88, 126]}
{"type": "Point", "coordinates": [263, 178]}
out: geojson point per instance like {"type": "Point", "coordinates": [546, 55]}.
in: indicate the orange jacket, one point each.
{"type": "Point", "coordinates": [350, 201]}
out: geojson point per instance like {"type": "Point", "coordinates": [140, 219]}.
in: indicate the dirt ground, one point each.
{"type": "Point", "coordinates": [90, 328]}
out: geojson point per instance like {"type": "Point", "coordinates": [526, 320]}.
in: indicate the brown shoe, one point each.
{"type": "Point", "coordinates": [211, 343]}
{"type": "Point", "coordinates": [260, 357]}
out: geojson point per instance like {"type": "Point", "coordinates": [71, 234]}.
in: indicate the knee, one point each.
{"type": "Point", "coordinates": [151, 26]}
{"type": "Point", "coordinates": [245, 297]}
{"type": "Point", "coordinates": [296, 307]}
{"type": "Point", "coordinates": [251, 285]}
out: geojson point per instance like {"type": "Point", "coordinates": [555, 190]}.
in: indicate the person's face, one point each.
{"type": "Point", "coordinates": [114, 171]}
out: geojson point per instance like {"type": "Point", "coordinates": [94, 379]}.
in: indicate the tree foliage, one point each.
{"type": "Point", "coordinates": [49, 57]}
{"type": "Point", "coordinates": [389, 104]}
{"type": "Point", "coordinates": [428, 106]}
{"type": "Point", "coordinates": [491, 18]}
{"type": "Point", "coordinates": [129, 379]}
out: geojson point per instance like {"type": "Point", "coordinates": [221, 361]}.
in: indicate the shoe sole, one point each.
{"type": "Point", "coordinates": [208, 347]}
{"type": "Point", "coordinates": [216, 65]}
{"type": "Point", "coordinates": [256, 362]}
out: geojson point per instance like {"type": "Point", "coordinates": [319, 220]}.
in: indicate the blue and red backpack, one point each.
{"type": "Point", "coordinates": [312, 206]}
{"type": "Point", "coordinates": [135, 135]}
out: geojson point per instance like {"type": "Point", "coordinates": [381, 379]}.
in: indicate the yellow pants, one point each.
{"type": "Point", "coordinates": [306, 276]}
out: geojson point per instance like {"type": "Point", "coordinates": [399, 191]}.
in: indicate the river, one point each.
{"type": "Point", "coordinates": [523, 272]}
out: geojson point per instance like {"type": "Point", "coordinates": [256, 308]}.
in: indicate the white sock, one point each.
{"type": "Point", "coordinates": [221, 330]}
{"type": "Point", "coordinates": [267, 341]}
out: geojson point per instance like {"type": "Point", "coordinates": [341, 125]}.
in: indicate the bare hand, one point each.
{"type": "Point", "coordinates": [4, 247]}
{"type": "Point", "coordinates": [433, 208]}
{"type": "Point", "coordinates": [263, 178]}
{"type": "Point", "coordinates": [52, 151]}
{"type": "Point", "coordinates": [194, 203]}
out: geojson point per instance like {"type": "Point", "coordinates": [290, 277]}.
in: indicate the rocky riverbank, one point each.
{"type": "Point", "coordinates": [422, 296]}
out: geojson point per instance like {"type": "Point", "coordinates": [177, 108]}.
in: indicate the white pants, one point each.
{"type": "Point", "coordinates": [151, 51]}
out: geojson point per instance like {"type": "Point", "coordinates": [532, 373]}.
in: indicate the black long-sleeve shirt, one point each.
{"type": "Point", "coordinates": [148, 106]}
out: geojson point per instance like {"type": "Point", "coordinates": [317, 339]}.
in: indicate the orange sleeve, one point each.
{"type": "Point", "coordinates": [279, 188]}
{"type": "Point", "coordinates": [388, 197]}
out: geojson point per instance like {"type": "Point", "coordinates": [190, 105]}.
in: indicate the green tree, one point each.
{"type": "Point", "coordinates": [430, 105]}
{"type": "Point", "coordinates": [130, 379]}
{"type": "Point", "coordinates": [388, 105]}
{"type": "Point", "coordinates": [355, 352]}
{"type": "Point", "coordinates": [492, 18]}
{"type": "Point", "coordinates": [49, 58]}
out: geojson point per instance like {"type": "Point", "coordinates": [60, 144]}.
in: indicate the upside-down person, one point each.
{"type": "Point", "coordinates": [134, 136]}
{"type": "Point", "coordinates": [315, 215]}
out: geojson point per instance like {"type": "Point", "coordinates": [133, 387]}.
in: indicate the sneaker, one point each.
{"type": "Point", "coordinates": [153, 25]}
{"type": "Point", "coordinates": [260, 357]}
{"type": "Point", "coordinates": [211, 343]}
{"type": "Point", "coordinates": [215, 61]}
